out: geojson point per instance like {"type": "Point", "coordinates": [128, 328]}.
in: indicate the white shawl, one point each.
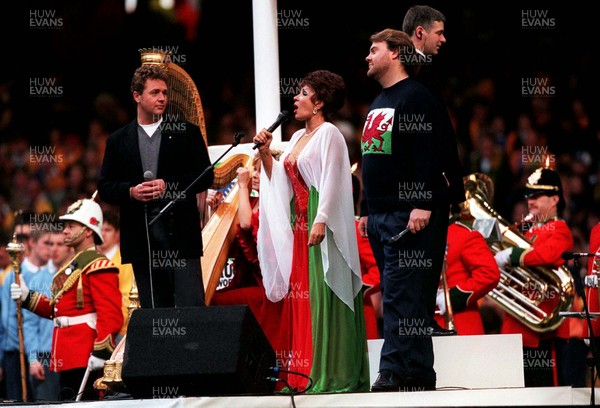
{"type": "Point", "coordinates": [325, 165]}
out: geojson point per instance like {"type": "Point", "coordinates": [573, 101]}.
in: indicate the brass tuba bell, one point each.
{"type": "Point", "coordinates": [535, 295]}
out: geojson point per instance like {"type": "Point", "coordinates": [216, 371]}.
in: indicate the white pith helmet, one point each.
{"type": "Point", "coordinates": [88, 213]}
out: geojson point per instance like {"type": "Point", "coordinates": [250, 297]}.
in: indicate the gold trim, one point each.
{"type": "Point", "coordinates": [541, 187]}
{"type": "Point", "coordinates": [522, 257]}
{"type": "Point", "coordinates": [106, 344]}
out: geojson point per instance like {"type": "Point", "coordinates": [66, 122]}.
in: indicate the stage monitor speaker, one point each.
{"type": "Point", "coordinates": [196, 351]}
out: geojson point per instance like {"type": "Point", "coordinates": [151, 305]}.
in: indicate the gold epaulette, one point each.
{"type": "Point", "coordinates": [102, 264]}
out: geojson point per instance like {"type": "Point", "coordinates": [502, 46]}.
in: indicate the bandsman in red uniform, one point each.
{"type": "Point", "coordinates": [550, 236]}
{"type": "Point", "coordinates": [471, 274]}
{"type": "Point", "coordinates": [593, 270]}
{"type": "Point", "coordinates": [85, 303]}
{"type": "Point", "coordinates": [591, 289]}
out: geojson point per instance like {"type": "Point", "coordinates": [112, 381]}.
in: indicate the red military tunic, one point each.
{"type": "Point", "coordinates": [87, 284]}
{"type": "Point", "coordinates": [594, 268]}
{"type": "Point", "coordinates": [549, 241]}
{"type": "Point", "coordinates": [371, 282]}
{"type": "Point", "coordinates": [471, 273]}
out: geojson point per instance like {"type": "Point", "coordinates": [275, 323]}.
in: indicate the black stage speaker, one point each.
{"type": "Point", "coordinates": [196, 351]}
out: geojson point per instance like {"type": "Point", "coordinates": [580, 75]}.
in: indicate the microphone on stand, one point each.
{"type": "Point", "coordinates": [283, 116]}
{"type": "Point", "coordinates": [149, 176]}
{"type": "Point", "coordinates": [237, 137]}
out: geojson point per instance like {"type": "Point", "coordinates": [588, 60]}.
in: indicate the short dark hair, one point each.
{"type": "Point", "coordinates": [111, 217]}
{"type": "Point", "coordinates": [396, 39]}
{"type": "Point", "coordinates": [329, 88]}
{"type": "Point", "coordinates": [421, 16]}
{"type": "Point", "coordinates": [144, 73]}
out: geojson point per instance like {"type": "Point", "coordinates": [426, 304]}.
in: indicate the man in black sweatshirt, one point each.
{"type": "Point", "coordinates": [404, 189]}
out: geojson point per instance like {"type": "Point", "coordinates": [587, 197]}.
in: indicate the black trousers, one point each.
{"type": "Point", "coordinates": [407, 270]}
{"type": "Point", "coordinates": [169, 282]}
{"type": "Point", "coordinates": [164, 277]}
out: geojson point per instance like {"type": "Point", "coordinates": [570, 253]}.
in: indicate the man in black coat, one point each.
{"type": "Point", "coordinates": [148, 163]}
{"type": "Point", "coordinates": [425, 26]}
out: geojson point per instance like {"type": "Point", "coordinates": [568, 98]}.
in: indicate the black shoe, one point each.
{"type": "Point", "coordinates": [387, 381]}
{"type": "Point", "coordinates": [440, 331]}
{"type": "Point", "coordinates": [437, 330]}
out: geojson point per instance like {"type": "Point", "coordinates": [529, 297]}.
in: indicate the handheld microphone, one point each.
{"type": "Point", "coordinates": [148, 175]}
{"type": "Point", "coordinates": [567, 256]}
{"type": "Point", "coordinates": [397, 237]}
{"type": "Point", "coordinates": [283, 116]}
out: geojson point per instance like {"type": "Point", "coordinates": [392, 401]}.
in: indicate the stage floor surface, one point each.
{"type": "Point", "coordinates": [505, 397]}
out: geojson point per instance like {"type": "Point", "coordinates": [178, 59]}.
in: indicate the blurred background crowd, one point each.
{"type": "Point", "coordinates": [520, 84]}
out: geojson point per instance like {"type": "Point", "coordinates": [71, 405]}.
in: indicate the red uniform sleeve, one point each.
{"type": "Point", "coordinates": [368, 265]}
{"type": "Point", "coordinates": [104, 287]}
{"type": "Point", "coordinates": [549, 242]}
{"type": "Point", "coordinates": [39, 304]}
{"type": "Point", "coordinates": [479, 261]}
{"type": "Point", "coordinates": [592, 292]}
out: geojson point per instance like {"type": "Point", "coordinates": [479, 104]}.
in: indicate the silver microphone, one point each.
{"type": "Point", "coordinates": [148, 175]}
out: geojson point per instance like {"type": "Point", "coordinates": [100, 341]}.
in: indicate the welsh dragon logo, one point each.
{"type": "Point", "coordinates": [377, 133]}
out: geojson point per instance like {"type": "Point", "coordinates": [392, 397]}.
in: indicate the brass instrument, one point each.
{"type": "Point", "coordinates": [536, 295]}
{"type": "Point", "coordinates": [449, 315]}
{"type": "Point", "coordinates": [594, 272]}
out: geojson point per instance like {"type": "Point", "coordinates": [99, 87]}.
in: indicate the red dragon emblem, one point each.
{"type": "Point", "coordinates": [374, 128]}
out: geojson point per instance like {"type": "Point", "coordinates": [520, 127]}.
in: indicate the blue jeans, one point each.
{"type": "Point", "coordinates": [406, 268]}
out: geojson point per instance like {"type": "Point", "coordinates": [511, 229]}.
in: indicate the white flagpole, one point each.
{"type": "Point", "coordinates": [266, 64]}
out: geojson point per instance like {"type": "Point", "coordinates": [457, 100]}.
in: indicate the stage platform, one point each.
{"type": "Point", "coordinates": [472, 371]}
{"type": "Point", "coordinates": [508, 397]}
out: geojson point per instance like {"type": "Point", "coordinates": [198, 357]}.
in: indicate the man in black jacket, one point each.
{"type": "Point", "coordinates": [148, 163]}
{"type": "Point", "coordinates": [425, 26]}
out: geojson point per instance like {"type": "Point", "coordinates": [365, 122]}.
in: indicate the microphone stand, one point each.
{"type": "Point", "coordinates": [236, 141]}
{"type": "Point", "coordinates": [594, 364]}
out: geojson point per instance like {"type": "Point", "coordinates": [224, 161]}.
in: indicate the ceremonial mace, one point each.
{"type": "Point", "coordinates": [16, 249]}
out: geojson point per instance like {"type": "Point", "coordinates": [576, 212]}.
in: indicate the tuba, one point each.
{"type": "Point", "coordinates": [534, 295]}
